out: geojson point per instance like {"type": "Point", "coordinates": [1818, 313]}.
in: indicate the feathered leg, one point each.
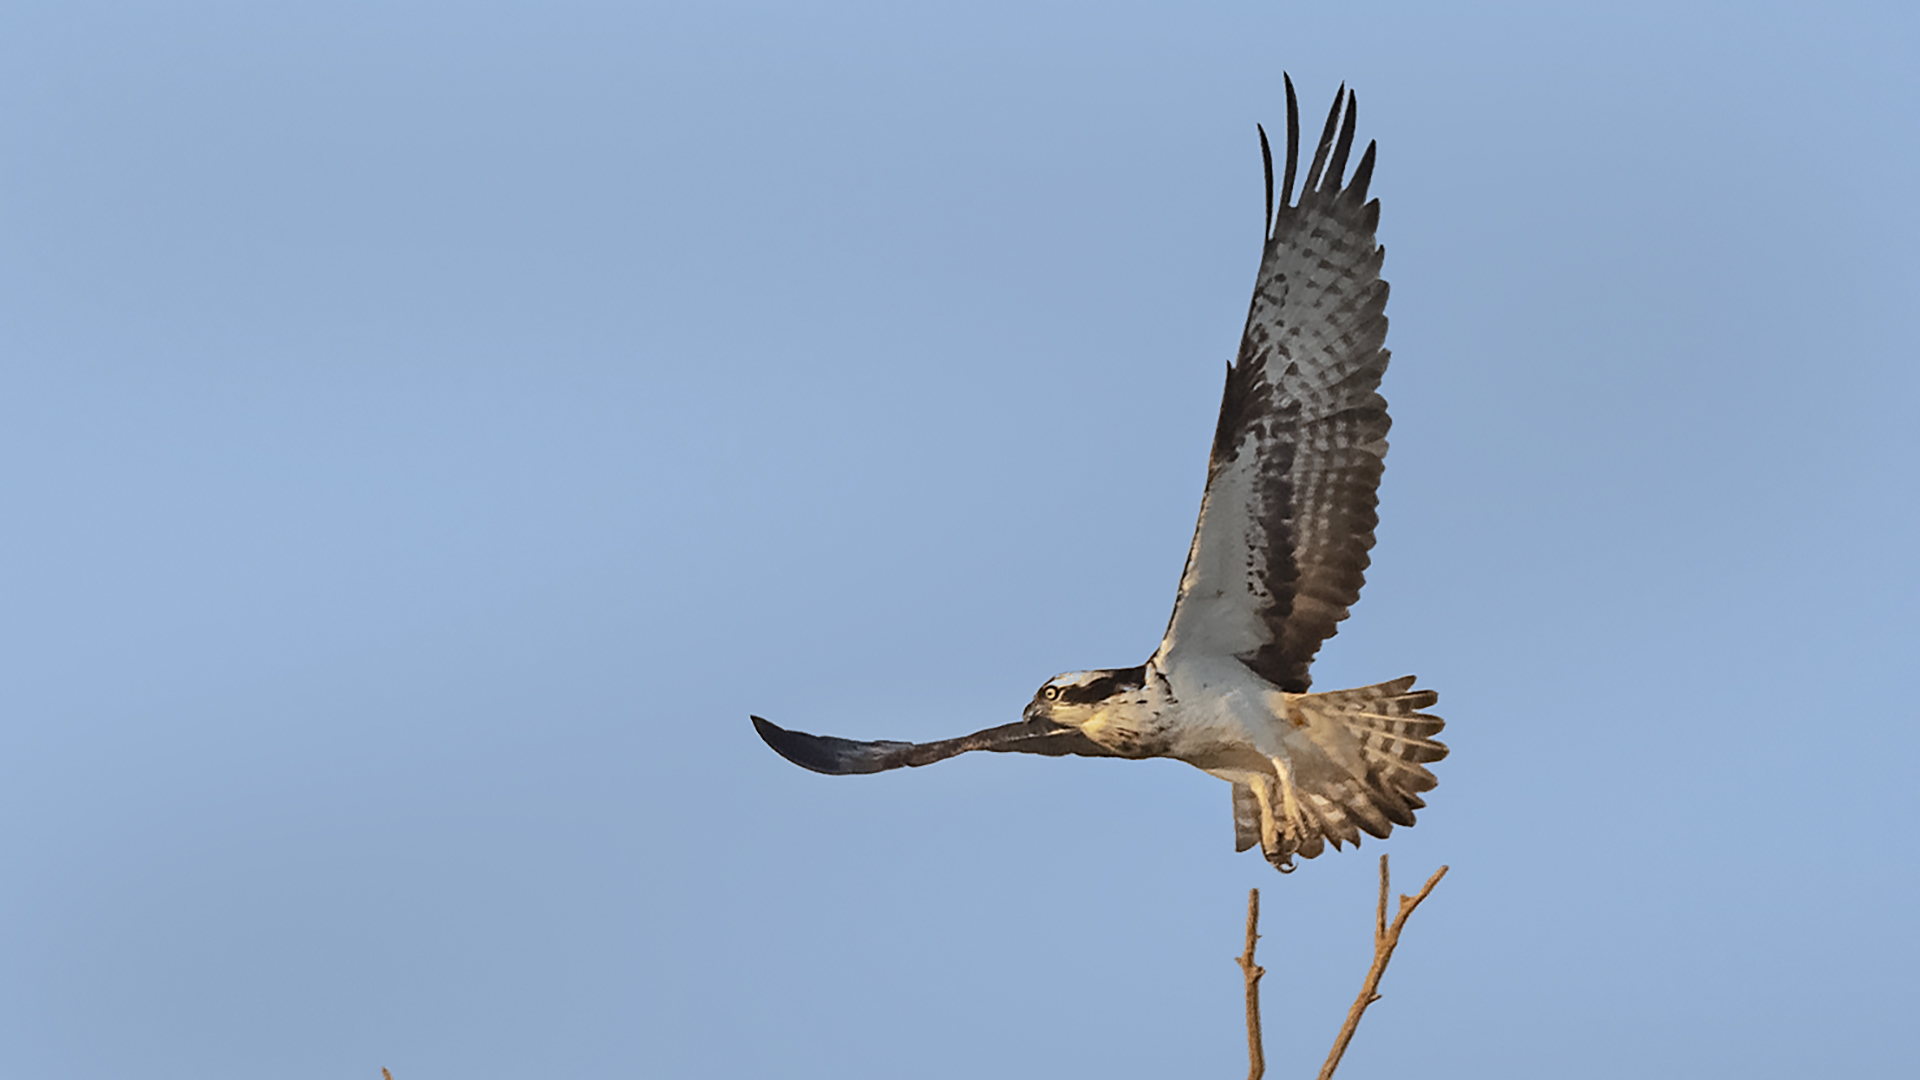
{"type": "Point", "coordinates": [1275, 838]}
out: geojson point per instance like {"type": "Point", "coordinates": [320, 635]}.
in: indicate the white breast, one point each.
{"type": "Point", "coordinates": [1219, 704]}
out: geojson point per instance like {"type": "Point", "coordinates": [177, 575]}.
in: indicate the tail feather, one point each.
{"type": "Point", "coordinates": [1246, 818]}
{"type": "Point", "coordinates": [1335, 822]}
{"type": "Point", "coordinates": [1371, 815]}
{"type": "Point", "coordinates": [1383, 743]}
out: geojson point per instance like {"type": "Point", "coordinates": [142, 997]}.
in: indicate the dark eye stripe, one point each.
{"type": "Point", "coordinates": [1106, 686]}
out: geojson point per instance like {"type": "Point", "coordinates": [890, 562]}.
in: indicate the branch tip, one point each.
{"type": "Point", "coordinates": [1385, 937]}
{"type": "Point", "coordinates": [1251, 972]}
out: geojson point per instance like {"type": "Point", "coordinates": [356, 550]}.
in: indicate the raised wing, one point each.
{"type": "Point", "coordinates": [1280, 551]}
{"type": "Point", "coordinates": [842, 757]}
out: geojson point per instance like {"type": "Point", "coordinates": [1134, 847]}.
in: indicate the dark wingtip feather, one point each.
{"type": "Point", "coordinates": [1293, 141]}
{"type": "Point", "coordinates": [1337, 167]}
{"type": "Point", "coordinates": [1266, 162]}
{"type": "Point", "coordinates": [1362, 175]}
{"type": "Point", "coordinates": [826, 754]}
{"type": "Point", "coordinates": [1326, 142]}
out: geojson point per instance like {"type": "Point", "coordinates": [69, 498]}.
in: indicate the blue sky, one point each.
{"type": "Point", "coordinates": [428, 430]}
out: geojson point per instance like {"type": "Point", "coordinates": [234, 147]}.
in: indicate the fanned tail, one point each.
{"type": "Point", "coordinates": [1361, 767]}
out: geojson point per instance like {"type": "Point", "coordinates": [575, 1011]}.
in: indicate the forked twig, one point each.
{"type": "Point", "coordinates": [1385, 937]}
{"type": "Point", "coordinates": [1256, 1058]}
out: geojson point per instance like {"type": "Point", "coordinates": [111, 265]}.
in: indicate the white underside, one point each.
{"type": "Point", "coordinates": [1219, 704]}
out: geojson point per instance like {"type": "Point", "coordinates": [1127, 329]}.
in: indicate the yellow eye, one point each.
{"type": "Point", "coordinates": [1050, 693]}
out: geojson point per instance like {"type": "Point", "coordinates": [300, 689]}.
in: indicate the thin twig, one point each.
{"type": "Point", "coordinates": [1256, 1058]}
{"type": "Point", "coordinates": [1380, 912]}
{"type": "Point", "coordinates": [1385, 937]}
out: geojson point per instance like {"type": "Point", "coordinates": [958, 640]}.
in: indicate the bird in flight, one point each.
{"type": "Point", "coordinates": [1278, 558]}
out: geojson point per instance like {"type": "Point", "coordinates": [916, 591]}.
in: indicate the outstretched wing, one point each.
{"type": "Point", "coordinates": [1280, 551]}
{"type": "Point", "coordinates": [842, 757]}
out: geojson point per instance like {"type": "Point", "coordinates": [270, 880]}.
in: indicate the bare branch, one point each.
{"type": "Point", "coordinates": [1380, 913]}
{"type": "Point", "coordinates": [1385, 937]}
{"type": "Point", "coordinates": [1256, 1058]}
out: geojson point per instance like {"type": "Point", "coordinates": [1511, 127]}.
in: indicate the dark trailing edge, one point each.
{"type": "Point", "coordinates": [846, 757]}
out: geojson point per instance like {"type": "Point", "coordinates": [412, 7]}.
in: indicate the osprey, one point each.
{"type": "Point", "coordinates": [1278, 557]}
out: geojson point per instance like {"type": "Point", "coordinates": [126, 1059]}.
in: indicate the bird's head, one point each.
{"type": "Point", "coordinates": [1079, 697]}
